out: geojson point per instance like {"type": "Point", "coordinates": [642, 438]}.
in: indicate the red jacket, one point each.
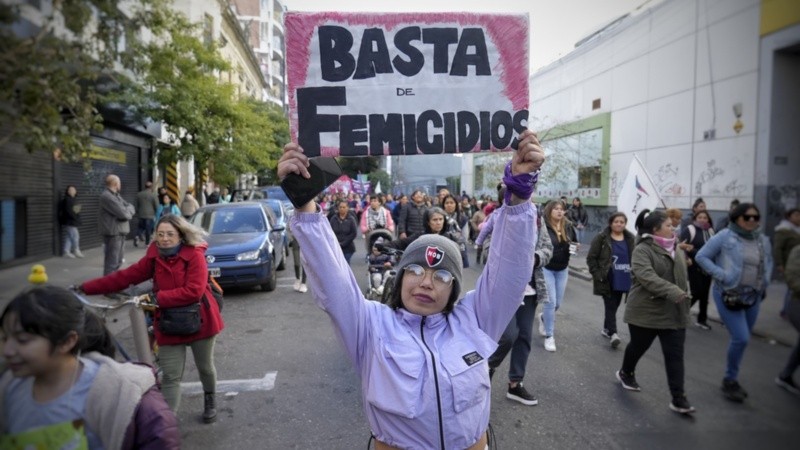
{"type": "Point", "coordinates": [178, 280]}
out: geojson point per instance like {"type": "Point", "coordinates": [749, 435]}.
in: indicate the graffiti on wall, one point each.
{"type": "Point", "coordinates": [664, 179]}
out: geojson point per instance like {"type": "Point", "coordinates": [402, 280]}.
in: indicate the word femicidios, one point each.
{"type": "Point", "coordinates": [428, 131]}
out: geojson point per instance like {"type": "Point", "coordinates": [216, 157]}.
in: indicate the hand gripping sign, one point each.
{"type": "Point", "coordinates": [406, 83]}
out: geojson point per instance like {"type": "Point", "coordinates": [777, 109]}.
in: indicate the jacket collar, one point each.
{"type": "Point", "coordinates": [415, 320]}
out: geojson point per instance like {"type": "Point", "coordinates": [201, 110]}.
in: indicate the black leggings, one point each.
{"type": "Point", "coordinates": [671, 345]}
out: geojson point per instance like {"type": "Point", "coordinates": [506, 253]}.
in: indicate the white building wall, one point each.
{"type": "Point", "coordinates": [664, 88]}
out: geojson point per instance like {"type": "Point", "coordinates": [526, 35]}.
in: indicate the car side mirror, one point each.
{"type": "Point", "coordinates": [278, 228]}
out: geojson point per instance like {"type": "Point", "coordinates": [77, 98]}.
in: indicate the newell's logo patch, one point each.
{"type": "Point", "coordinates": [472, 358]}
{"type": "Point", "coordinates": [433, 256]}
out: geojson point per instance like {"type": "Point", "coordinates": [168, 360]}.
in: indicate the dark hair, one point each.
{"type": "Point", "coordinates": [615, 215]}
{"type": "Point", "coordinates": [734, 203]}
{"type": "Point", "coordinates": [53, 313]}
{"type": "Point", "coordinates": [458, 204]}
{"type": "Point", "coordinates": [647, 222]}
{"type": "Point", "coordinates": [740, 210]}
{"type": "Point", "coordinates": [697, 202]}
{"type": "Point", "coordinates": [789, 212]}
{"type": "Point", "coordinates": [703, 211]}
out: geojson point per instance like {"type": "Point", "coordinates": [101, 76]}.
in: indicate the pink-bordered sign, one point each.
{"type": "Point", "coordinates": [406, 83]}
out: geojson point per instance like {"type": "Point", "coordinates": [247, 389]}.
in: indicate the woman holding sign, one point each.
{"type": "Point", "coordinates": [423, 357]}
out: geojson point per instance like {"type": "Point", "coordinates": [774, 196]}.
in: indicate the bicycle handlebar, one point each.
{"type": "Point", "coordinates": [144, 301]}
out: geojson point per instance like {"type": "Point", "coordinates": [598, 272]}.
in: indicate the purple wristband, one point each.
{"type": "Point", "coordinates": [520, 185]}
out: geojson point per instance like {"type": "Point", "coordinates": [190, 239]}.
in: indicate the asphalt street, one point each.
{"type": "Point", "coordinates": [315, 401]}
{"type": "Point", "coordinates": [286, 383]}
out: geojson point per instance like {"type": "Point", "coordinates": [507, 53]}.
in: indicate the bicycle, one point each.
{"type": "Point", "coordinates": [141, 338]}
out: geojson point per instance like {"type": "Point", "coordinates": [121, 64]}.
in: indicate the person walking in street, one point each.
{"type": "Point", "coordinates": [146, 206]}
{"type": "Point", "coordinates": [792, 274]}
{"type": "Point", "coordinates": [698, 205]}
{"type": "Point", "coordinates": [556, 272]}
{"type": "Point", "coordinates": [422, 357]}
{"type": "Point", "coordinates": [787, 237]}
{"type": "Point", "coordinates": [658, 305]}
{"type": "Point", "coordinates": [189, 204]}
{"type": "Point", "coordinates": [167, 207]}
{"type": "Point", "coordinates": [739, 260]}
{"type": "Point", "coordinates": [345, 229]}
{"type": "Point", "coordinates": [696, 234]}
{"type": "Point", "coordinates": [455, 223]}
{"type": "Point", "coordinates": [299, 272]}
{"type": "Point", "coordinates": [63, 389]}
{"type": "Point", "coordinates": [376, 217]}
{"type": "Point", "coordinates": [70, 219]}
{"type": "Point", "coordinates": [579, 218]}
{"type": "Point", "coordinates": [517, 336]}
{"type": "Point", "coordinates": [609, 262]}
{"type": "Point", "coordinates": [723, 223]}
{"type": "Point", "coordinates": [114, 223]}
{"type": "Point", "coordinates": [176, 264]}
{"type": "Point", "coordinates": [411, 221]}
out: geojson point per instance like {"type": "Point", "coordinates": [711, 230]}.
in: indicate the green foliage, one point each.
{"type": "Point", "coordinates": [51, 83]}
{"type": "Point", "coordinates": [47, 82]}
{"type": "Point", "coordinates": [380, 176]}
{"type": "Point", "coordinates": [353, 166]}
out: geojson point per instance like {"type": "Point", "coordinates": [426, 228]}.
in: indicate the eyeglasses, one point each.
{"type": "Point", "coordinates": [416, 273]}
{"type": "Point", "coordinates": [751, 217]}
{"type": "Point", "coordinates": [169, 234]}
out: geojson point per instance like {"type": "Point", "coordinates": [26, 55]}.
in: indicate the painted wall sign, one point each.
{"type": "Point", "coordinates": [406, 83]}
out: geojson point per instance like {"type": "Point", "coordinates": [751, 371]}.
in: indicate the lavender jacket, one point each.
{"type": "Point", "coordinates": [425, 380]}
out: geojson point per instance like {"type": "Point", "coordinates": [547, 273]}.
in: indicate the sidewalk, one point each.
{"type": "Point", "coordinates": [61, 271]}
{"type": "Point", "coordinates": [769, 324]}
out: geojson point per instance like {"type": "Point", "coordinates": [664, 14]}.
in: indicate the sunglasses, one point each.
{"type": "Point", "coordinates": [751, 217]}
{"type": "Point", "coordinates": [416, 273]}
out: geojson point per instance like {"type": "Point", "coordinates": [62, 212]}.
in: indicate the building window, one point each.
{"type": "Point", "coordinates": [208, 30]}
{"type": "Point", "coordinates": [574, 166]}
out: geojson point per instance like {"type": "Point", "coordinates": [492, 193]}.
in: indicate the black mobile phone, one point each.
{"type": "Point", "coordinates": [324, 171]}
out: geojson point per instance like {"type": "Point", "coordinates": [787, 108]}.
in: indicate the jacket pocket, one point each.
{"type": "Point", "coordinates": [394, 383]}
{"type": "Point", "coordinates": [469, 382]}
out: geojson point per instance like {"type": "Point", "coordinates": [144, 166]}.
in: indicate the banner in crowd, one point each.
{"type": "Point", "coordinates": [406, 83]}
{"type": "Point", "coordinates": [638, 192]}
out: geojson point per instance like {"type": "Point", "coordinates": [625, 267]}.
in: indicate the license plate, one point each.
{"type": "Point", "coordinates": [214, 272]}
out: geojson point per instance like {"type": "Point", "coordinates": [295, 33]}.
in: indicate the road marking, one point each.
{"type": "Point", "coordinates": [254, 384]}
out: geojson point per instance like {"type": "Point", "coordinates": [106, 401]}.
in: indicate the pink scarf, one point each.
{"type": "Point", "coordinates": [667, 244]}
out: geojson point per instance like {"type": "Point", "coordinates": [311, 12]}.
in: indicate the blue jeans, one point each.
{"type": "Point", "coordinates": [71, 239]}
{"type": "Point", "coordinates": [579, 233]}
{"type": "Point", "coordinates": [516, 339]}
{"type": "Point", "coordinates": [347, 256]}
{"type": "Point", "coordinates": [739, 324]}
{"type": "Point", "coordinates": [144, 230]}
{"type": "Point", "coordinates": [556, 285]}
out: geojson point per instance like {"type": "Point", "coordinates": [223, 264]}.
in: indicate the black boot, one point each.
{"type": "Point", "coordinates": [209, 408]}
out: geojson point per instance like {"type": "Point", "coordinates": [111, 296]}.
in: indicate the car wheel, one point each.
{"type": "Point", "coordinates": [272, 282]}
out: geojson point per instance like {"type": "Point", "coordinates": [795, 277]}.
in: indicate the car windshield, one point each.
{"type": "Point", "coordinates": [233, 220]}
{"type": "Point", "coordinates": [276, 208]}
{"type": "Point", "coordinates": [276, 192]}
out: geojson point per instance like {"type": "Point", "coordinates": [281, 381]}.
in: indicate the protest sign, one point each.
{"type": "Point", "coordinates": [406, 83]}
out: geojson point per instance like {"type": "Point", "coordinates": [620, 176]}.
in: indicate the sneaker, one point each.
{"type": "Point", "coordinates": [615, 340]}
{"type": "Point", "coordinates": [702, 326]}
{"type": "Point", "coordinates": [541, 325]}
{"type": "Point", "coordinates": [681, 405]}
{"type": "Point", "coordinates": [69, 255]}
{"type": "Point", "coordinates": [788, 384]}
{"type": "Point", "coordinates": [136, 241]}
{"type": "Point", "coordinates": [605, 333]}
{"type": "Point", "coordinates": [303, 289]}
{"type": "Point", "coordinates": [733, 391]}
{"type": "Point", "coordinates": [520, 394]}
{"type": "Point", "coordinates": [550, 344]}
{"type": "Point", "coordinates": [379, 290]}
{"type": "Point", "coordinates": [628, 381]}
{"type": "Point", "coordinates": [78, 253]}
{"type": "Point", "coordinates": [297, 285]}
